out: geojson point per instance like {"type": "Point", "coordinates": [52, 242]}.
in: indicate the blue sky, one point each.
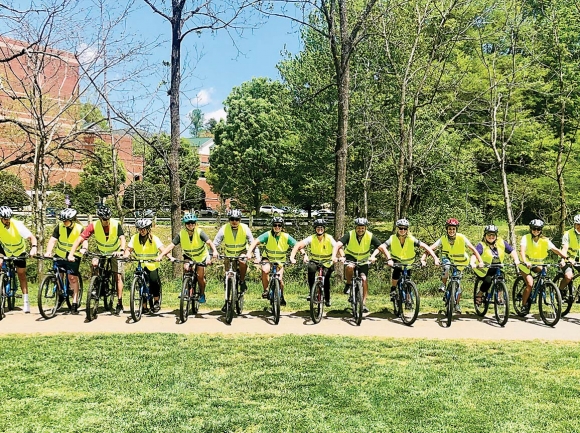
{"type": "Point", "coordinates": [222, 66]}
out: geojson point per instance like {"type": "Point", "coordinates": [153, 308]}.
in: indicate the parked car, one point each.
{"type": "Point", "coordinates": [324, 213]}
{"type": "Point", "coordinates": [207, 212]}
{"type": "Point", "coordinates": [271, 210]}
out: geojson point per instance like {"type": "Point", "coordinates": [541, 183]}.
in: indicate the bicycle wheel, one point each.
{"type": "Point", "coordinates": [48, 294]}
{"type": "Point", "coordinates": [195, 296]}
{"type": "Point", "coordinates": [517, 294]}
{"type": "Point", "coordinates": [550, 304]}
{"type": "Point", "coordinates": [567, 295]}
{"type": "Point", "coordinates": [136, 302]}
{"type": "Point", "coordinates": [2, 296]}
{"type": "Point", "coordinates": [357, 307]}
{"type": "Point", "coordinates": [397, 305]}
{"type": "Point", "coordinates": [409, 303]}
{"type": "Point", "coordinates": [501, 303]}
{"type": "Point", "coordinates": [93, 298]}
{"type": "Point", "coordinates": [11, 296]}
{"type": "Point", "coordinates": [231, 297]}
{"type": "Point", "coordinates": [275, 299]}
{"type": "Point", "coordinates": [480, 309]}
{"type": "Point", "coordinates": [185, 300]}
{"type": "Point", "coordinates": [450, 302]}
{"type": "Point", "coordinates": [240, 301]}
{"type": "Point", "coordinates": [316, 301]}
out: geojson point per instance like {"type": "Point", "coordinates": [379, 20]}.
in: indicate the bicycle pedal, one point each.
{"type": "Point", "coordinates": [18, 295]}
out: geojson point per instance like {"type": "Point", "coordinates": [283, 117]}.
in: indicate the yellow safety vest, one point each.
{"type": "Point", "coordinates": [146, 252]}
{"type": "Point", "coordinates": [321, 250]}
{"type": "Point", "coordinates": [12, 241]}
{"type": "Point", "coordinates": [64, 242]}
{"type": "Point", "coordinates": [276, 248]}
{"type": "Point", "coordinates": [194, 248]}
{"type": "Point", "coordinates": [404, 254]}
{"type": "Point", "coordinates": [487, 255]}
{"type": "Point", "coordinates": [238, 245]}
{"type": "Point", "coordinates": [359, 250]}
{"type": "Point", "coordinates": [573, 246]}
{"type": "Point", "coordinates": [108, 244]}
{"type": "Point", "coordinates": [456, 252]}
{"type": "Point", "coordinates": [536, 252]}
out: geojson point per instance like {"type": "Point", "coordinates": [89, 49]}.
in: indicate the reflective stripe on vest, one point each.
{"type": "Point", "coordinates": [573, 246]}
{"type": "Point", "coordinates": [487, 255]}
{"type": "Point", "coordinates": [238, 245]}
{"type": "Point", "coordinates": [403, 254]}
{"type": "Point", "coordinates": [11, 240]}
{"type": "Point", "coordinates": [195, 248]}
{"type": "Point", "coordinates": [359, 250]}
{"type": "Point", "coordinates": [64, 242]}
{"type": "Point", "coordinates": [276, 248]}
{"type": "Point", "coordinates": [536, 252]}
{"type": "Point", "coordinates": [456, 252]}
{"type": "Point", "coordinates": [146, 252]}
{"type": "Point", "coordinates": [321, 250]}
{"type": "Point", "coordinates": [107, 244]}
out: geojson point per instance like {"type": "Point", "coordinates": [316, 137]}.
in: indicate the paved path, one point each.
{"type": "Point", "coordinates": [336, 322]}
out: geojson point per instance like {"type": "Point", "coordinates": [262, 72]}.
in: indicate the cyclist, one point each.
{"type": "Point", "coordinates": [401, 247]}
{"type": "Point", "coordinates": [321, 245]}
{"type": "Point", "coordinates": [110, 240]}
{"type": "Point", "coordinates": [492, 250]}
{"type": "Point", "coordinates": [534, 248]}
{"type": "Point", "coordinates": [571, 248]}
{"type": "Point", "coordinates": [453, 252]}
{"type": "Point", "coordinates": [357, 246]}
{"type": "Point", "coordinates": [236, 237]}
{"type": "Point", "coordinates": [64, 235]}
{"type": "Point", "coordinates": [12, 235]}
{"type": "Point", "coordinates": [146, 247]}
{"type": "Point", "coordinates": [194, 243]}
{"type": "Point", "coordinates": [277, 242]}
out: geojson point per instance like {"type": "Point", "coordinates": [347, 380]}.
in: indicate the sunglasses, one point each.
{"type": "Point", "coordinates": [234, 219]}
{"type": "Point", "coordinates": [190, 222]}
{"type": "Point", "coordinates": [276, 225]}
{"type": "Point", "coordinates": [402, 228]}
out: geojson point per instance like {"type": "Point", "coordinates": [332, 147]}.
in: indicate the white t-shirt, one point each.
{"type": "Point", "coordinates": [21, 229]}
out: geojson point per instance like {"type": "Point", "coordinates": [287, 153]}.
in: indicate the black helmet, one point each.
{"type": "Point", "coordinates": [319, 223]}
{"type": "Point", "coordinates": [490, 229]}
{"type": "Point", "coordinates": [236, 214]}
{"type": "Point", "coordinates": [361, 222]}
{"type": "Point", "coordinates": [277, 220]}
{"type": "Point", "coordinates": [104, 212]}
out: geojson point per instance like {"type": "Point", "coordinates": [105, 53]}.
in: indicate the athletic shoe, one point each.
{"type": "Point", "coordinates": [265, 295]}
{"type": "Point", "coordinates": [243, 286]}
{"type": "Point", "coordinates": [365, 309]}
{"type": "Point", "coordinates": [119, 308]}
{"type": "Point", "coordinates": [347, 288]}
{"type": "Point", "coordinates": [145, 310]}
{"type": "Point", "coordinates": [328, 303]}
{"type": "Point", "coordinates": [458, 308]}
{"type": "Point", "coordinates": [225, 307]}
{"type": "Point", "coordinates": [156, 307]}
{"type": "Point", "coordinates": [26, 307]}
{"type": "Point", "coordinates": [282, 301]}
{"type": "Point", "coordinates": [393, 295]}
{"type": "Point", "coordinates": [60, 301]}
{"type": "Point", "coordinates": [74, 308]}
{"type": "Point", "coordinates": [442, 288]}
{"type": "Point", "coordinates": [202, 299]}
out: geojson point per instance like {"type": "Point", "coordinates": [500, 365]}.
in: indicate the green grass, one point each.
{"type": "Point", "coordinates": [200, 383]}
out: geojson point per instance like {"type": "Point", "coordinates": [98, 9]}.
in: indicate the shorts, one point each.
{"type": "Point", "coordinates": [362, 269]}
{"type": "Point", "coordinates": [71, 268]}
{"type": "Point", "coordinates": [397, 273]}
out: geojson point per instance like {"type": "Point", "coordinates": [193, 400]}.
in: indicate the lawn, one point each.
{"type": "Point", "coordinates": [200, 383]}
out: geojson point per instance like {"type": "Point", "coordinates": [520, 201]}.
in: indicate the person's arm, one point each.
{"type": "Point", "coordinates": [33, 245]}
{"type": "Point", "coordinates": [523, 247]}
{"type": "Point", "coordinates": [123, 246]}
{"type": "Point", "coordinates": [75, 245]}
{"type": "Point", "coordinates": [253, 245]}
{"type": "Point", "coordinates": [165, 251]}
{"type": "Point", "coordinates": [515, 257]}
{"type": "Point", "coordinates": [50, 246]}
{"type": "Point", "coordinates": [558, 251]}
{"type": "Point", "coordinates": [433, 247]}
{"type": "Point", "coordinates": [214, 250]}
{"type": "Point", "coordinates": [429, 250]}
{"type": "Point", "coordinates": [475, 253]}
{"type": "Point", "coordinates": [383, 249]}
{"type": "Point", "coordinates": [335, 251]}
{"type": "Point", "coordinates": [564, 248]}
{"type": "Point", "coordinates": [299, 246]}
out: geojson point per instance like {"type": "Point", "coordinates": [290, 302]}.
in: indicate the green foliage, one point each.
{"type": "Point", "coordinates": [196, 119]}
{"type": "Point", "coordinates": [12, 192]}
{"type": "Point", "coordinates": [93, 117]}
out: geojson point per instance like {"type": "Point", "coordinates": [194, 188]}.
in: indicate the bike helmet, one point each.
{"type": "Point", "coordinates": [536, 224]}
{"type": "Point", "coordinates": [143, 223]}
{"type": "Point", "coordinates": [403, 222]}
{"type": "Point", "coordinates": [452, 222]}
{"type": "Point", "coordinates": [277, 220]}
{"type": "Point", "coordinates": [319, 223]}
{"type": "Point", "coordinates": [104, 212]}
{"type": "Point", "coordinates": [67, 214]}
{"type": "Point", "coordinates": [5, 212]}
{"type": "Point", "coordinates": [236, 214]}
{"type": "Point", "coordinates": [189, 218]}
{"type": "Point", "coordinates": [490, 229]}
{"type": "Point", "coordinates": [576, 218]}
{"type": "Point", "coordinates": [361, 222]}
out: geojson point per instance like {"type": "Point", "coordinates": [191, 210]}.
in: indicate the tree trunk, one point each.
{"type": "Point", "coordinates": [560, 164]}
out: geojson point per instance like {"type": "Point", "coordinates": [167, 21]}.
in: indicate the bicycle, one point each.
{"type": "Point", "coordinates": [544, 291]}
{"type": "Point", "coordinates": [406, 301]}
{"type": "Point", "coordinates": [452, 292]}
{"type": "Point", "coordinates": [356, 294]}
{"type": "Point", "coordinates": [190, 293]}
{"type": "Point", "coordinates": [103, 284]}
{"type": "Point", "coordinates": [8, 284]}
{"type": "Point", "coordinates": [140, 293]}
{"type": "Point", "coordinates": [570, 294]}
{"type": "Point", "coordinates": [274, 288]}
{"type": "Point", "coordinates": [55, 289]}
{"type": "Point", "coordinates": [317, 292]}
{"type": "Point", "coordinates": [234, 297]}
{"type": "Point", "coordinates": [497, 293]}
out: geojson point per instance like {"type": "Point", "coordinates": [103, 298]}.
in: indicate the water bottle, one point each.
{"type": "Point", "coordinates": [8, 287]}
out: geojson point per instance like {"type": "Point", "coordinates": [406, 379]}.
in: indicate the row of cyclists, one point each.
{"type": "Point", "coordinates": [235, 238]}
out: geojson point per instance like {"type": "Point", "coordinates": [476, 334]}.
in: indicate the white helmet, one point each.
{"type": "Point", "coordinates": [403, 222]}
{"type": "Point", "coordinates": [576, 219]}
{"type": "Point", "coordinates": [67, 214]}
{"type": "Point", "coordinates": [143, 223]}
{"type": "Point", "coordinates": [5, 212]}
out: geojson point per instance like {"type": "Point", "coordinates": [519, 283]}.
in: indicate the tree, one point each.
{"type": "Point", "coordinates": [12, 192]}
{"type": "Point", "coordinates": [196, 119]}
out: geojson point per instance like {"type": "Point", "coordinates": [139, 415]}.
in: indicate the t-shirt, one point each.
{"type": "Point", "coordinates": [375, 242]}
{"type": "Point", "coordinates": [21, 229]}
{"type": "Point", "coordinates": [177, 239]}
{"type": "Point", "coordinates": [263, 238]}
{"type": "Point", "coordinates": [88, 232]}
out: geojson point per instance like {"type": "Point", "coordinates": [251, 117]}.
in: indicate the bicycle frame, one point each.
{"type": "Point", "coordinates": [539, 282]}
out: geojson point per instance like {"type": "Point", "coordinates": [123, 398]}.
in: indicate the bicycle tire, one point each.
{"type": "Point", "coordinates": [397, 302]}
{"type": "Point", "coordinates": [316, 301]}
{"type": "Point", "coordinates": [275, 300]}
{"type": "Point", "coordinates": [93, 298]}
{"type": "Point", "coordinates": [410, 304]}
{"type": "Point", "coordinates": [110, 293]}
{"type": "Point", "coordinates": [195, 297]}
{"type": "Point", "coordinates": [185, 300]}
{"type": "Point", "coordinates": [567, 295]}
{"type": "Point", "coordinates": [517, 294]}
{"type": "Point", "coordinates": [69, 298]}
{"type": "Point", "coordinates": [48, 295]}
{"type": "Point", "coordinates": [2, 296]}
{"type": "Point", "coordinates": [231, 296]}
{"type": "Point", "coordinates": [481, 309]}
{"type": "Point", "coordinates": [550, 304]}
{"type": "Point", "coordinates": [136, 299]}
{"type": "Point", "coordinates": [240, 300]}
{"type": "Point", "coordinates": [501, 303]}
{"type": "Point", "coordinates": [357, 310]}
{"type": "Point", "coordinates": [11, 297]}
{"type": "Point", "coordinates": [450, 302]}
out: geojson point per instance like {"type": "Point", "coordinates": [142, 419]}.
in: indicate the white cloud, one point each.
{"type": "Point", "coordinates": [86, 54]}
{"type": "Point", "coordinates": [217, 115]}
{"type": "Point", "coordinates": [203, 97]}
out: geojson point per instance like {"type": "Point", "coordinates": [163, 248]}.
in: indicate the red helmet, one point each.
{"type": "Point", "coordinates": [452, 222]}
